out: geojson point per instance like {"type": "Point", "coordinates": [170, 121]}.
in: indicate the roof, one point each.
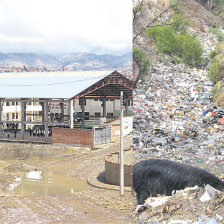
{"type": "Point", "coordinates": [109, 86]}
{"type": "Point", "coordinates": [48, 84]}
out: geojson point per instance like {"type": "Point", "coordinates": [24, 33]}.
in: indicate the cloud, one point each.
{"type": "Point", "coordinates": [68, 25]}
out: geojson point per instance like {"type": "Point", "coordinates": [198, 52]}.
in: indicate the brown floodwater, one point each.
{"type": "Point", "coordinates": [47, 182]}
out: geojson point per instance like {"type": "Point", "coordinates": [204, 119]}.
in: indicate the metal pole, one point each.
{"type": "Point", "coordinates": [121, 146]}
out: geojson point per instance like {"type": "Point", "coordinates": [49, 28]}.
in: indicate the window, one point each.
{"type": "Point", "coordinates": [97, 114]}
{"type": "Point", "coordinates": [13, 103]}
{"type": "Point", "coordinates": [17, 116]}
{"type": "Point", "coordinates": [13, 116]}
{"type": "Point", "coordinates": [110, 114]}
{"type": "Point", "coordinates": [7, 103]}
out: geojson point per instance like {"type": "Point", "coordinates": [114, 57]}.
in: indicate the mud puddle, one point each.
{"type": "Point", "coordinates": [47, 182]}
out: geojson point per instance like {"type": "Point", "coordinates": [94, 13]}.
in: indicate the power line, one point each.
{"type": "Point", "coordinates": [51, 84]}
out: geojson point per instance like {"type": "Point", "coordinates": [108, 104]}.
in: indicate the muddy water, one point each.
{"type": "Point", "coordinates": [46, 182]}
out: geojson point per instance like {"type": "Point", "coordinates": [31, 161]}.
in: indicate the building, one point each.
{"type": "Point", "coordinates": [31, 104]}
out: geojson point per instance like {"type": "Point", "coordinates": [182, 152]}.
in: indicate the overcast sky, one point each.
{"type": "Point", "coordinates": [65, 26]}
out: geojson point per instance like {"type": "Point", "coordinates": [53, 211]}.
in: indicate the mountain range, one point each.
{"type": "Point", "coordinates": [73, 61]}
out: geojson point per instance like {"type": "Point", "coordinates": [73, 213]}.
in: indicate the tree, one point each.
{"type": "Point", "coordinates": [192, 51]}
{"type": "Point", "coordinates": [142, 61]}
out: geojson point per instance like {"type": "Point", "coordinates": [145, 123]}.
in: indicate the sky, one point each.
{"type": "Point", "coordinates": [66, 26]}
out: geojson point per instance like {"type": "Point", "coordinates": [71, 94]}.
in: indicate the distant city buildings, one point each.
{"type": "Point", "coordinates": [31, 69]}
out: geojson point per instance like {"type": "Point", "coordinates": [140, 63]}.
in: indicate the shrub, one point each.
{"type": "Point", "coordinates": [173, 40]}
{"type": "Point", "coordinates": [214, 53]}
{"type": "Point", "coordinates": [216, 71]}
{"type": "Point", "coordinates": [142, 60]}
{"type": "Point", "coordinates": [219, 34]}
{"type": "Point", "coordinates": [192, 51]}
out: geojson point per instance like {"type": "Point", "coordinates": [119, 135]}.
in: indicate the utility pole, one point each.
{"type": "Point", "coordinates": [121, 146]}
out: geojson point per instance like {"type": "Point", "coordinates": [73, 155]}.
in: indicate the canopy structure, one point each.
{"type": "Point", "coordinates": [59, 85]}
{"type": "Point", "coordinates": [63, 88]}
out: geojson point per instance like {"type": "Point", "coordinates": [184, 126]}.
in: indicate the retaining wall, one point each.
{"type": "Point", "coordinates": [112, 168]}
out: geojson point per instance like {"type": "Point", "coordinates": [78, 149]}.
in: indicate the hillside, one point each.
{"type": "Point", "coordinates": [199, 18]}
{"type": "Point", "coordinates": [175, 117]}
{"type": "Point", "coordinates": [74, 61]}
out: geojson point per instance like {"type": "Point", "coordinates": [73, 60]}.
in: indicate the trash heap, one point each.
{"type": "Point", "coordinates": [175, 119]}
{"type": "Point", "coordinates": [174, 114]}
{"type": "Point", "coordinates": [191, 205]}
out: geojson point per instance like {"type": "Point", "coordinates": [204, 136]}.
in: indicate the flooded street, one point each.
{"type": "Point", "coordinates": [76, 202]}
{"type": "Point", "coordinates": [47, 182]}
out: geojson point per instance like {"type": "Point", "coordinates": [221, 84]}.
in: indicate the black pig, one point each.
{"type": "Point", "coordinates": [155, 176]}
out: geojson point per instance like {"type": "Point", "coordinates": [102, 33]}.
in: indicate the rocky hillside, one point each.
{"type": "Point", "coordinates": [199, 18]}
{"type": "Point", "coordinates": [174, 114]}
{"type": "Point", "coordinates": [74, 61]}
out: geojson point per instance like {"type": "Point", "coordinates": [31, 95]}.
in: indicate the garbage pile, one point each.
{"type": "Point", "coordinates": [175, 119]}
{"type": "Point", "coordinates": [173, 110]}
{"type": "Point", "coordinates": [191, 205]}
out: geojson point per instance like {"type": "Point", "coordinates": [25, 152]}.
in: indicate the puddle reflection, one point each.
{"type": "Point", "coordinates": [47, 182]}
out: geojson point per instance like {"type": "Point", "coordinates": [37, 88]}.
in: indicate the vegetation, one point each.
{"type": "Point", "coordinates": [216, 90]}
{"type": "Point", "coordinates": [176, 6]}
{"type": "Point", "coordinates": [216, 71]}
{"type": "Point", "coordinates": [219, 34]}
{"type": "Point", "coordinates": [142, 60]}
{"type": "Point", "coordinates": [214, 53]}
{"type": "Point", "coordinates": [175, 41]}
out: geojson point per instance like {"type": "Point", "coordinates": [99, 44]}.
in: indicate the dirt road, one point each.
{"type": "Point", "coordinates": [92, 206]}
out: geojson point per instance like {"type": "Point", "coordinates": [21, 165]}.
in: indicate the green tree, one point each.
{"type": "Point", "coordinates": [142, 61]}
{"type": "Point", "coordinates": [192, 51]}
{"type": "Point", "coordinates": [175, 41]}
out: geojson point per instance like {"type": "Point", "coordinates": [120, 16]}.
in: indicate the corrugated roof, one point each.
{"type": "Point", "coordinates": [47, 84]}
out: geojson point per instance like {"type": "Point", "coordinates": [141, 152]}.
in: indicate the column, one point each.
{"type": "Point", "coordinates": [114, 105]}
{"type": "Point", "coordinates": [126, 107]}
{"type": "Point", "coordinates": [104, 107]}
{"type": "Point", "coordinates": [0, 115]}
{"type": "Point", "coordinates": [23, 118]}
{"type": "Point", "coordinates": [46, 119]}
{"type": "Point", "coordinates": [83, 111]}
{"type": "Point", "coordinates": [62, 111]}
{"type": "Point", "coordinates": [71, 114]}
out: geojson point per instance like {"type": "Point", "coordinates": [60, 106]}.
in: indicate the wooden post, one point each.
{"type": "Point", "coordinates": [71, 114]}
{"type": "Point", "coordinates": [46, 119]}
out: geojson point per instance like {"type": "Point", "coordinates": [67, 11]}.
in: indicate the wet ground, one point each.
{"type": "Point", "coordinates": [91, 205]}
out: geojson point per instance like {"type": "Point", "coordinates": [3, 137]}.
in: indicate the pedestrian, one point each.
{"type": "Point", "coordinates": [15, 131]}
